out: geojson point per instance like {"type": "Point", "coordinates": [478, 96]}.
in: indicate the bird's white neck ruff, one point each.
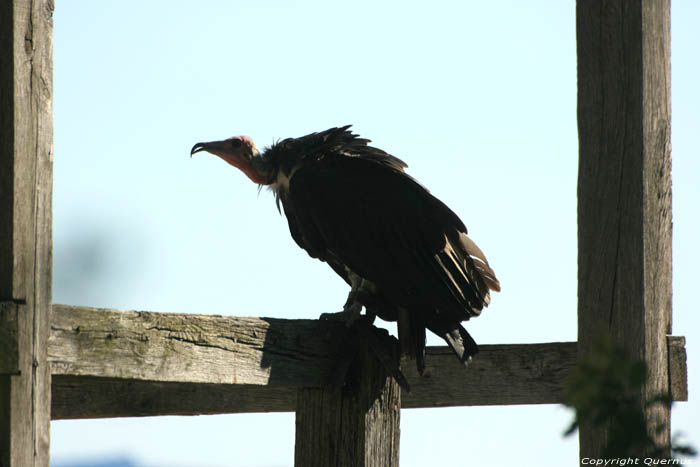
{"type": "Point", "coordinates": [281, 183]}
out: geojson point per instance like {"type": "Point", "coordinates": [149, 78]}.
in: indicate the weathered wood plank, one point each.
{"type": "Point", "coordinates": [677, 369]}
{"type": "Point", "coordinates": [25, 227]}
{"type": "Point", "coordinates": [9, 338]}
{"type": "Point", "coordinates": [357, 426]}
{"type": "Point", "coordinates": [76, 397]}
{"type": "Point", "coordinates": [189, 348]}
{"type": "Point", "coordinates": [109, 363]}
{"type": "Point", "coordinates": [624, 188]}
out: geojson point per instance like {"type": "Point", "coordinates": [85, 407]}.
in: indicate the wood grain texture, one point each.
{"type": "Point", "coordinates": [624, 187]}
{"type": "Point", "coordinates": [677, 369]}
{"type": "Point", "coordinates": [190, 348]}
{"type": "Point", "coordinates": [9, 338]}
{"type": "Point", "coordinates": [357, 426]}
{"type": "Point", "coordinates": [77, 397]}
{"type": "Point", "coordinates": [109, 363]}
{"type": "Point", "coordinates": [26, 159]}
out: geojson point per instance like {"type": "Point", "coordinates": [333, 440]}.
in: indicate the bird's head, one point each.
{"type": "Point", "coordinates": [240, 152]}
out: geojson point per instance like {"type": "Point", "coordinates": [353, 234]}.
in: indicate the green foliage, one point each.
{"type": "Point", "coordinates": [605, 390]}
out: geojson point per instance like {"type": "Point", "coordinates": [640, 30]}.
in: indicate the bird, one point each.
{"type": "Point", "coordinates": [404, 253]}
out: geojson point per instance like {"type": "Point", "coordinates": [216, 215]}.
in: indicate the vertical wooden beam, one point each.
{"type": "Point", "coordinates": [624, 187]}
{"type": "Point", "coordinates": [357, 426]}
{"type": "Point", "coordinates": [26, 131]}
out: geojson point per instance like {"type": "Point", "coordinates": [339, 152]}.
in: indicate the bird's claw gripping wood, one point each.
{"type": "Point", "coordinates": [352, 310]}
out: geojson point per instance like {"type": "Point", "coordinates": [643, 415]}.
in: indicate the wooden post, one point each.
{"type": "Point", "coordinates": [357, 426]}
{"type": "Point", "coordinates": [624, 188]}
{"type": "Point", "coordinates": [25, 230]}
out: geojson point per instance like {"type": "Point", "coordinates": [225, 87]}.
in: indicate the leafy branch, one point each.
{"type": "Point", "coordinates": [605, 391]}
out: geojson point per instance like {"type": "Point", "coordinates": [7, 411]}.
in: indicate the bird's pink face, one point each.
{"type": "Point", "coordinates": [238, 151]}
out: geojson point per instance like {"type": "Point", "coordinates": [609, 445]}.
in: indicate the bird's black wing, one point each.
{"type": "Point", "coordinates": [384, 226]}
{"type": "Point", "coordinates": [306, 241]}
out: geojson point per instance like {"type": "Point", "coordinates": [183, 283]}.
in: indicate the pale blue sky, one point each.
{"type": "Point", "coordinates": [479, 98]}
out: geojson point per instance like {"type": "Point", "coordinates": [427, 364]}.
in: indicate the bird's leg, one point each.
{"type": "Point", "coordinates": [353, 305]}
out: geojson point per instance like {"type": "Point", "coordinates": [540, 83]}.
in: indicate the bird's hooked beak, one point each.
{"type": "Point", "coordinates": [234, 150]}
{"type": "Point", "coordinates": [197, 148]}
{"type": "Point", "coordinates": [239, 151]}
{"type": "Point", "coordinates": [214, 147]}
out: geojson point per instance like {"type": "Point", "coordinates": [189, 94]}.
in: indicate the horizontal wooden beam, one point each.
{"type": "Point", "coordinates": [108, 363]}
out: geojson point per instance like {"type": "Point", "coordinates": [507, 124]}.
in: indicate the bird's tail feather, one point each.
{"type": "Point", "coordinates": [412, 337]}
{"type": "Point", "coordinates": [461, 343]}
{"type": "Point", "coordinates": [479, 262]}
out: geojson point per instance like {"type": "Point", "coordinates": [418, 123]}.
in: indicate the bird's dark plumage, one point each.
{"type": "Point", "coordinates": [406, 254]}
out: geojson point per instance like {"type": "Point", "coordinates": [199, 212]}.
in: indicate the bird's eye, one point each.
{"type": "Point", "coordinates": [236, 143]}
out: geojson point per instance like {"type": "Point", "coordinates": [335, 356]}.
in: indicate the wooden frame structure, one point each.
{"type": "Point", "coordinates": [74, 362]}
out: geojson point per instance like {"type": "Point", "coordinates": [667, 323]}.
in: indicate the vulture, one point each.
{"type": "Point", "coordinates": [404, 253]}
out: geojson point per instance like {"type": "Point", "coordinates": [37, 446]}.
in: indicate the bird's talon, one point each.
{"type": "Point", "coordinates": [349, 315]}
{"type": "Point", "coordinates": [352, 312]}
{"type": "Point", "coordinates": [337, 316]}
